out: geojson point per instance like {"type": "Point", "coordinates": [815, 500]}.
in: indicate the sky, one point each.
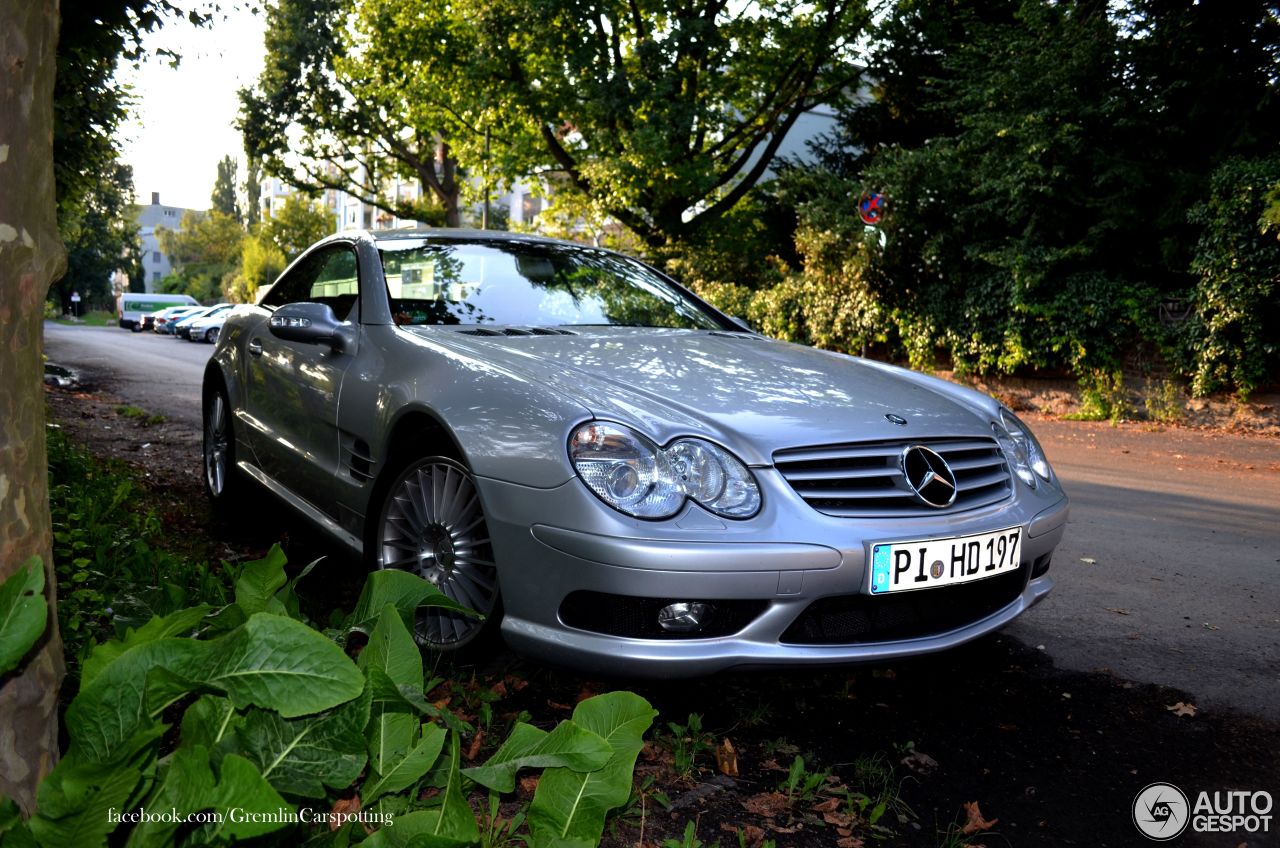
{"type": "Point", "coordinates": [182, 117]}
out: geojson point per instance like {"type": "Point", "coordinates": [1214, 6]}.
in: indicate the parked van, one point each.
{"type": "Point", "coordinates": [131, 306]}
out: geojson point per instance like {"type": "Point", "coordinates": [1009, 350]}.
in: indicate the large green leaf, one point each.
{"type": "Point", "coordinates": [23, 612]}
{"type": "Point", "coordinates": [391, 654]}
{"type": "Point", "coordinates": [413, 830]}
{"type": "Point", "coordinates": [280, 664]}
{"type": "Point", "coordinates": [210, 722]}
{"type": "Point", "coordinates": [187, 786]}
{"type": "Point", "coordinates": [404, 591]}
{"type": "Point", "coordinates": [259, 581]}
{"type": "Point", "coordinates": [568, 746]}
{"type": "Point", "coordinates": [302, 756]}
{"type": "Point", "coordinates": [404, 772]}
{"type": "Point", "coordinates": [179, 623]}
{"type": "Point", "coordinates": [270, 662]}
{"type": "Point", "coordinates": [569, 807]}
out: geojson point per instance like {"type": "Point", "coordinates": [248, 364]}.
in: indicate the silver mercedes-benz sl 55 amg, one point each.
{"type": "Point", "coordinates": [615, 474]}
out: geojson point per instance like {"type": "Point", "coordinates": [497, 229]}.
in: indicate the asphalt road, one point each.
{"type": "Point", "coordinates": [1169, 572]}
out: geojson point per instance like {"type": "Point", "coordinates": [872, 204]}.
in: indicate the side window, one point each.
{"type": "Point", "coordinates": [328, 277]}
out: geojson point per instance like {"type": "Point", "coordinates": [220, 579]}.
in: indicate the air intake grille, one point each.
{"type": "Point", "coordinates": [517, 331]}
{"type": "Point", "coordinates": [866, 481]}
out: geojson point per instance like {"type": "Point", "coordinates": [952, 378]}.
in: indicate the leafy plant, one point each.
{"type": "Point", "coordinates": [801, 784]}
{"type": "Point", "coordinates": [689, 839]}
{"type": "Point", "coordinates": [229, 719]}
{"type": "Point", "coordinates": [686, 743]}
{"type": "Point", "coordinates": [23, 611]}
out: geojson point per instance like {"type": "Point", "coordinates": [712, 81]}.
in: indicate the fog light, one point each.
{"type": "Point", "coordinates": [685, 617]}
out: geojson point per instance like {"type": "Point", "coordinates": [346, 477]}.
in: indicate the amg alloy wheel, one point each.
{"type": "Point", "coordinates": [431, 523]}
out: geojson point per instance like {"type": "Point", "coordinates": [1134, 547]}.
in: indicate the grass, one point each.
{"type": "Point", "coordinates": [146, 419]}
{"type": "Point", "coordinates": [91, 319]}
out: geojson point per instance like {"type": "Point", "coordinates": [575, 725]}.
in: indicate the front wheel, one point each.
{"type": "Point", "coordinates": [222, 479]}
{"type": "Point", "coordinates": [211, 335]}
{"type": "Point", "coordinates": [431, 523]}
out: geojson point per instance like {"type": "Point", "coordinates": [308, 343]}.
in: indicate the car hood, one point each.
{"type": "Point", "coordinates": [753, 394]}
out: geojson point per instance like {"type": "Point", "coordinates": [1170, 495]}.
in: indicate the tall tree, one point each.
{"type": "Point", "coordinates": [102, 240]}
{"type": "Point", "coordinates": [349, 136]}
{"type": "Point", "coordinates": [204, 251]}
{"type": "Point", "coordinates": [224, 197]}
{"type": "Point", "coordinates": [31, 257]}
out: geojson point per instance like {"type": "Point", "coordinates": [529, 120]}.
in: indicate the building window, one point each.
{"type": "Point", "coordinates": [530, 206]}
{"type": "Point", "coordinates": [155, 256]}
{"type": "Point", "coordinates": [155, 276]}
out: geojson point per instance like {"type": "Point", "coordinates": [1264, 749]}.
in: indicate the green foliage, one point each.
{"type": "Point", "coordinates": [23, 611]}
{"type": "Point", "coordinates": [687, 742]}
{"type": "Point", "coordinates": [1103, 397]}
{"type": "Point", "coordinates": [1163, 401]}
{"type": "Point", "coordinates": [235, 716]}
{"type": "Point", "coordinates": [1235, 337]}
{"type": "Point", "coordinates": [224, 199]}
{"type": "Point", "coordinates": [112, 569]}
{"type": "Point", "coordinates": [689, 839]}
{"type": "Point", "coordinates": [801, 784]}
{"type": "Point", "coordinates": [205, 250]}
{"type": "Point", "coordinates": [299, 223]}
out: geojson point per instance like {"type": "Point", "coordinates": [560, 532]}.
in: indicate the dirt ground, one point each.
{"type": "Point", "coordinates": [1051, 758]}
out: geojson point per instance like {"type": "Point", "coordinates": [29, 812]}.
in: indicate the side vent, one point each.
{"type": "Point", "coordinates": [358, 458]}
{"type": "Point", "coordinates": [517, 331]}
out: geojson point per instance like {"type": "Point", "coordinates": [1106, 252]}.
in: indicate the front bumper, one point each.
{"type": "Point", "coordinates": [550, 543]}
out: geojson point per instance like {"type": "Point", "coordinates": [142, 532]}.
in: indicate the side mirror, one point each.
{"type": "Point", "coordinates": [311, 323]}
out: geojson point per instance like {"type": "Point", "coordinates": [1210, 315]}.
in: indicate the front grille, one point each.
{"type": "Point", "coordinates": [859, 619]}
{"type": "Point", "coordinates": [637, 618]}
{"type": "Point", "coordinates": [865, 480]}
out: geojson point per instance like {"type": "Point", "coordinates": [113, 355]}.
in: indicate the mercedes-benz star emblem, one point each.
{"type": "Point", "coordinates": [929, 476]}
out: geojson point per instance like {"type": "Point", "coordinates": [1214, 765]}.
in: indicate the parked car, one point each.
{"type": "Point", "coordinates": [163, 321]}
{"type": "Point", "coordinates": [615, 474]}
{"type": "Point", "coordinates": [182, 328]}
{"type": "Point", "coordinates": [207, 327]}
{"type": "Point", "coordinates": [132, 307]}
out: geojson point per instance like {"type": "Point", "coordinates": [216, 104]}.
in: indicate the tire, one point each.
{"type": "Point", "coordinates": [223, 482]}
{"type": "Point", "coordinates": [211, 335]}
{"type": "Point", "coordinates": [430, 521]}
{"type": "Point", "coordinates": [135, 327]}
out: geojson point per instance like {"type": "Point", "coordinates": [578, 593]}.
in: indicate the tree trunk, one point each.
{"type": "Point", "coordinates": [31, 257]}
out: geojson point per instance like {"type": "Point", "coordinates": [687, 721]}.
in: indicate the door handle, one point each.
{"type": "Point", "coordinates": [255, 347]}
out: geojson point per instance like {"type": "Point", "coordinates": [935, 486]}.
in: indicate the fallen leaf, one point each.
{"type": "Point", "coordinates": [517, 683]}
{"type": "Point", "coordinates": [1208, 626]}
{"type": "Point", "coordinates": [839, 820]}
{"type": "Point", "coordinates": [772, 765]}
{"type": "Point", "coordinates": [1088, 560]}
{"type": "Point", "coordinates": [976, 823]}
{"type": "Point", "coordinates": [767, 804]}
{"type": "Point", "coordinates": [555, 705]}
{"type": "Point", "coordinates": [850, 842]}
{"type": "Point", "coordinates": [779, 829]}
{"type": "Point", "coordinates": [1182, 708]}
{"type": "Point", "coordinates": [920, 762]}
{"type": "Point", "coordinates": [342, 808]}
{"type": "Point", "coordinates": [586, 692]}
{"type": "Point", "coordinates": [499, 689]}
{"type": "Point", "coordinates": [473, 750]}
{"type": "Point", "coordinates": [828, 806]}
{"type": "Point", "coordinates": [650, 753]}
{"type": "Point", "coordinates": [529, 783]}
{"type": "Point", "coordinates": [727, 758]}
{"type": "Point", "coordinates": [1117, 610]}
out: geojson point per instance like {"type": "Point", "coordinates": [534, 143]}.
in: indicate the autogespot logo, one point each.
{"type": "Point", "coordinates": [1160, 812]}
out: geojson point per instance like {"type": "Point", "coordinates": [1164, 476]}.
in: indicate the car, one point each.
{"type": "Point", "coordinates": [182, 329]}
{"type": "Point", "coordinates": [163, 321]}
{"type": "Point", "coordinates": [207, 327]}
{"type": "Point", "coordinates": [132, 307]}
{"type": "Point", "coordinates": [617, 476]}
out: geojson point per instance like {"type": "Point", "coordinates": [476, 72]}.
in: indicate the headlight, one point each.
{"type": "Point", "coordinates": [1029, 461]}
{"type": "Point", "coordinates": [633, 475]}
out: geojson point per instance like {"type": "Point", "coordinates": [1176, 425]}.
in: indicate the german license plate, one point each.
{"type": "Point", "coordinates": [927, 563]}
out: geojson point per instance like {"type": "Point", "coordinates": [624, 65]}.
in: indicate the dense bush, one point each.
{"type": "Point", "coordinates": [1233, 340]}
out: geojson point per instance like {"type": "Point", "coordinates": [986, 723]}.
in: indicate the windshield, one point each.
{"type": "Point", "coordinates": [525, 284]}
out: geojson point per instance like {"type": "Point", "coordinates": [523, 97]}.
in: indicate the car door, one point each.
{"type": "Point", "coordinates": [292, 387]}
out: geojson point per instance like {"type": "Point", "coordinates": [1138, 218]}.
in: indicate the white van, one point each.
{"type": "Point", "coordinates": [131, 306]}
